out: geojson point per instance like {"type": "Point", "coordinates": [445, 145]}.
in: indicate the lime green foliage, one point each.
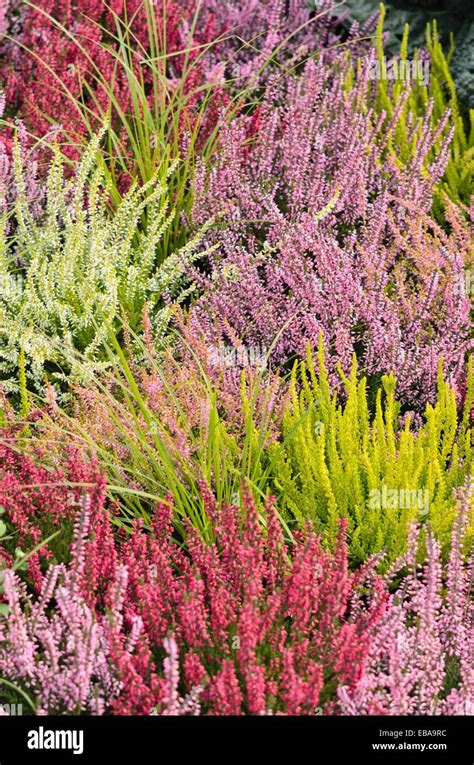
{"type": "Point", "coordinates": [67, 277]}
{"type": "Point", "coordinates": [334, 457]}
{"type": "Point", "coordinates": [457, 180]}
{"type": "Point", "coordinates": [459, 174]}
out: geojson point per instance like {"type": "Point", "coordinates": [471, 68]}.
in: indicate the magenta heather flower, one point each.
{"type": "Point", "coordinates": [61, 53]}
{"type": "Point", "coordinates": [70, 658]}
{"type": "Point", "coordinates": [247, 624]}
{"type": "Point", "coordinates": [4, 8]}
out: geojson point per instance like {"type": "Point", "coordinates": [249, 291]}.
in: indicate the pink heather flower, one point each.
{"type": "Point", "coordinates": [320, 232]}
{"type": "Point", "coordinates": [39, 86]}
{"type": "Point", "coordinates": [28, 490]}
{"type": "Point", "coordinates": [421, 657]}
{"type": "Point", "coordinates": [173, 704]}
{"type": "Point", "coordinates": [4, 20]}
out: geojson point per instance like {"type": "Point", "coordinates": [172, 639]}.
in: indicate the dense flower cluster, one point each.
{"type": "Point", "coordinates": [75, 660]}
{"type": "Point", "coordinates": [325, 233]}
{"type": "Point", "coordinates": [57, 50]}
{"type": "Point", "coordinates": [63, 60]}
{"type": "Point", "coordinates": [236, 379]}
{"type": "Point", "coordinates": [28, 488]}
{"type": "Point", "coordinates": [228, 606]}
{"type": "Point", "coordinates": [256, 627]}
{"type": "Point", "coordinates": [423, 638]}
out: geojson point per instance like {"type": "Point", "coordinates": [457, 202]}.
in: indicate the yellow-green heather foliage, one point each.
{"type": "Point", "coordinates": [337, 460]}
{"type": "Point", "coordinates": [68, 276]}
{"type": "Point", "coordinates": [441, 90]}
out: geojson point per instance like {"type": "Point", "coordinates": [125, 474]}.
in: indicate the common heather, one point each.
{"type": "Point", "coordinates": [324, 451]}
{"type": "Point", "coordinates": [76, 269]}
{"type": "Point", "coordinates": [422, 659]}
{"type": "Point", "coordinates": [257, 627]}
{"type": "Point", "coordinates": [247, 624]}
{"type": "Point", "coordinates": [321, 230]}
{"type": "Point", "coordinates": [236, 375]}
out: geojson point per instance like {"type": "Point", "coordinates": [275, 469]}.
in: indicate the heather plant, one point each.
{"type": "Point", "coordinates": [381, 471]}
{"type": "Point", "coordinates": [161, 422]}
{"type": "Point", "coordinates": [132, 65]}
{"type": "Point", "coordinates": [68, 63]}
{"type": "Point", "coordinates": [413, 99]}
{"type": "Point", "coordinates": [34, 187]}
{"type": "Point", "coordinates": [322, 231]}
{"type": "Point", "coordinates": [422, 658]}
{"type": "Point", "coordinates": [236, 384]}
{"type": "Point", "coordinates": [159, 73]}
{"type": "Point", "coordinates": [243, 625]}
{"type": "Point", "coordinates": [68, 275]}
{"type": "Point", "coordinates": [88, 54]}
{"type": "Point", "coordinates": [137, 624]}
{"type": "Point", "coordinates": [69, 659]}
{"type": "Point", "coordinates": [260, 35]}
{"type": "Point", "coordinates": [39, 499]}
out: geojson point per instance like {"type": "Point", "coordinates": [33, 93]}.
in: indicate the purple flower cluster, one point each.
{"type": "Point", "coordinates": [326, 232]}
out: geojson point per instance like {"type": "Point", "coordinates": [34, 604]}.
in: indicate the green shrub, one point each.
{"type": "Point", "coordinates": [68, 276]}
{"type": "Point", "coordinates": [457, 180]}
{"type": "Point", "coordinates": [323, 456]}
{"type": "Point", "coordinates": [334, 458]}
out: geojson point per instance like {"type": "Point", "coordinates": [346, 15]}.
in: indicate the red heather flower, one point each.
{"type": "Point", "coordinates": [247, 624]}
{"type": "Point", "coordinates": [257, 625]}
{"type": "Point", "coordinates": [38, 500]}
{"type": "Point", "coordinates": [72, 659]}
{"type": "Point", "coordinates": [72, 58]}
{"type": "Point", "coordinates": [69, 54]}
